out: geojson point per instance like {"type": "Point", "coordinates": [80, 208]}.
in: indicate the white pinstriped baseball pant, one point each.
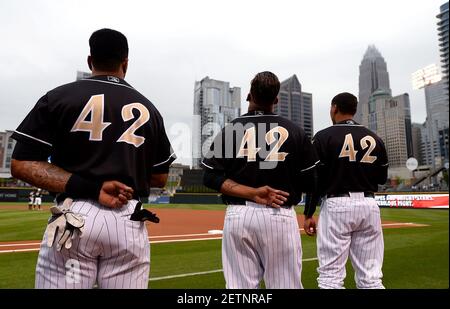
{"type": "Point", "coordinates": [258, 243]}
{"type": "Point", "coordinates": [114, 252]}
{"type": "Point", "coordinates": [350, 226]}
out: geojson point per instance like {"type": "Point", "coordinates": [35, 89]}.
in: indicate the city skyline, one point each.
{"type": "Point", "coordinates": [196, 39]}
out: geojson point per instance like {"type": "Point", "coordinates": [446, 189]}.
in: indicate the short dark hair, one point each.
{"type": "Point", "coordinates": [264, 88]}
{"type": "Point", "coordinates": [109, 48]}
{"type": "Point", "coordinates": [346, 103]}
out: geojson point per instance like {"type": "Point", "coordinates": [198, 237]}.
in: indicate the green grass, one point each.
{"type": "Point", "coordinates": [417, 257]}
{"type": "Point", "coordinates": [22, 225]}
{"type": "Point", "coordinates": [414, 257]}
{"type": "Point", "coordinates": [17, 270]}
{"type": "Point", "coordinates": [197, 256]}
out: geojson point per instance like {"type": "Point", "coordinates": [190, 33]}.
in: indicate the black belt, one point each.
{"type": "Point", "coordinates": [347, 194]}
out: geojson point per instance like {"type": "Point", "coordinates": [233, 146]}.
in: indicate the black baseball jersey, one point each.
{"type": "Point", "coordinates": [38, 194]}
{"type": "Point", "coordinates": [100, 128]}
{"type": "Point", "coordinates": [352, 159]}
{"type": "Point", "coordinates": [261, 148]}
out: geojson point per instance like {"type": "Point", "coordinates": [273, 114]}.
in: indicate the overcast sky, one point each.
{"type": "Point", "coordinates": [174, 43]}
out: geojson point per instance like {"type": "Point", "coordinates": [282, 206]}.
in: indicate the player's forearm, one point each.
{"type": "Point", "coordinates": [232, 188]}
{"type": "Point", "coordinates": [219, 182]}
{"type": "Point", "coordinates": [311, 201]}
{"type": "Point", "coordinates": [55, 179]}
{"type": "Point", "coordinates": [41, 174]}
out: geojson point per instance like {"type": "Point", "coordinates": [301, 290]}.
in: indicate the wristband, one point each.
{"type": "Point", "coordinates": [80, 187]}
{"type": "Point", "coordinates": [213, 180]}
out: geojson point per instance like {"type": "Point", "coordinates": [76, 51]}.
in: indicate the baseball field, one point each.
{"type": "Point", "coordinates": [186, 247]}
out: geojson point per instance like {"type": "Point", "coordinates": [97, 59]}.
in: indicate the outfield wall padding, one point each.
{"type": "Point", "coordinates": [195, 198]}
{"type": "Point", "coordinates": [20, 195]}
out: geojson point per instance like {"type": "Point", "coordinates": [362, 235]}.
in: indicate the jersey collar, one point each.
{"type": "Point", "coordinates": [348, 121]}
{"type": "Point", "coordinates": [258, 113]}
{"type": "Point", "coordinates": [110, 79]}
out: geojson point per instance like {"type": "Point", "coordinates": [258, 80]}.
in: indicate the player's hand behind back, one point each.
{"type": "Point", "coordinates": [269, 196]}
{"type": "Point", "coordinates": [310, 226]}
{"type": "Point", "coordinates": [115, 194]}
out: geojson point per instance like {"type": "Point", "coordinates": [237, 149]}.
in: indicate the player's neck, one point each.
{"type": "Point", "coordinates": [252, 107]}
{"type": "Point", "coordinates": [342, 117]}
{"type": "Point", "coordinates": [118, 74]}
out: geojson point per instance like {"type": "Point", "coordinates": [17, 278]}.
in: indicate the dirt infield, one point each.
{"type": "Point", "coordinates": [186, 221]}
{"type": "Point", "coordinates": [175, 225]}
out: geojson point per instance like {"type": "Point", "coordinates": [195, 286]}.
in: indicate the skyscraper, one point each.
{"type": "Point", "coordinates": [215, 104]}
{"type": "Point", "coordinates": [373, 76]}
{"type": "Point", "coordinates": [390, 118]}
{"type": "Point", "coordinates": [436, 99]}
{"type": "Point", "coordinates": [7, 144]}
{"type": "Point", "coordinates": [295, 104]}
{"type": "Point", "coordinates": [2, 146]}
{"type": "Point", "coordinates": [426, 151]}
{"type": "Point", "coordinates": [437, 107]}
{"type": "Point", "coordinates": [443, 25]}
{"type": "Point", "coordinates": [443, 144]}
{"type": "Point", "coordinates": [416, 134]}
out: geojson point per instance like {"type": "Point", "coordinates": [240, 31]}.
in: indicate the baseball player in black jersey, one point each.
{"type": "Point", "coordinates": [252, 155]}
{"type": "Point", "coordinates": [353, 161]}
{"type": "Point", "coordinates": [107, 145]}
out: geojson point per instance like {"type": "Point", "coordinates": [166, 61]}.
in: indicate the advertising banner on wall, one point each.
{"type": "Point", "coordinates": [429, 200]}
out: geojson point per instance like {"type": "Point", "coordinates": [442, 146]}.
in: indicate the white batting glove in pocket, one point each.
{"type": "Point", "coordinates": [64, 226]}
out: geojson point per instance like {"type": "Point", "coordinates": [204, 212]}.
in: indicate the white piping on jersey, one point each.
{"type": "Point", "coordinates": [347, 124]}
{"type": "Point", "coordinates": [387, 164]}
{"type": "Point", "coordinates": [157, 164]}
{"type": "Point", "coordinates": [248, 116]}
{"type": "Point", "coordinates": [207, 165]}
{"type": "Point", "coordinates": [36, 139]}
{"type": "Point", "coordinates": [308, 168]}
{"type": "Point", "coordinates": [104, 81]}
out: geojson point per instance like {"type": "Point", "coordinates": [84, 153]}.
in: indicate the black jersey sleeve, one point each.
{"type": "Point", "coordinates": [215, 160]}
{"type": "Point", "coordinates": [163, 152]}
{"type": "Point", "coordinates": [215, 163]}
{"type": "Point", "coordinates": [383, 164]}
{"type": "Point", "coordinates": [313, 197]}
{"type": "Point", "coordinates": [308, 164]}
{"type": "Point", "coordinates": [382, 156]}
{"type": "Point", "coordinates": [308, 172]}
{"type": "Point", "coordinates": [37, 127]}
{"type": "Point", "coordinates": [318, 143]}
{"type": "Point", "coordinates": [24, 151]}
{"type": "Point", "coordinates": [309, 156]}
